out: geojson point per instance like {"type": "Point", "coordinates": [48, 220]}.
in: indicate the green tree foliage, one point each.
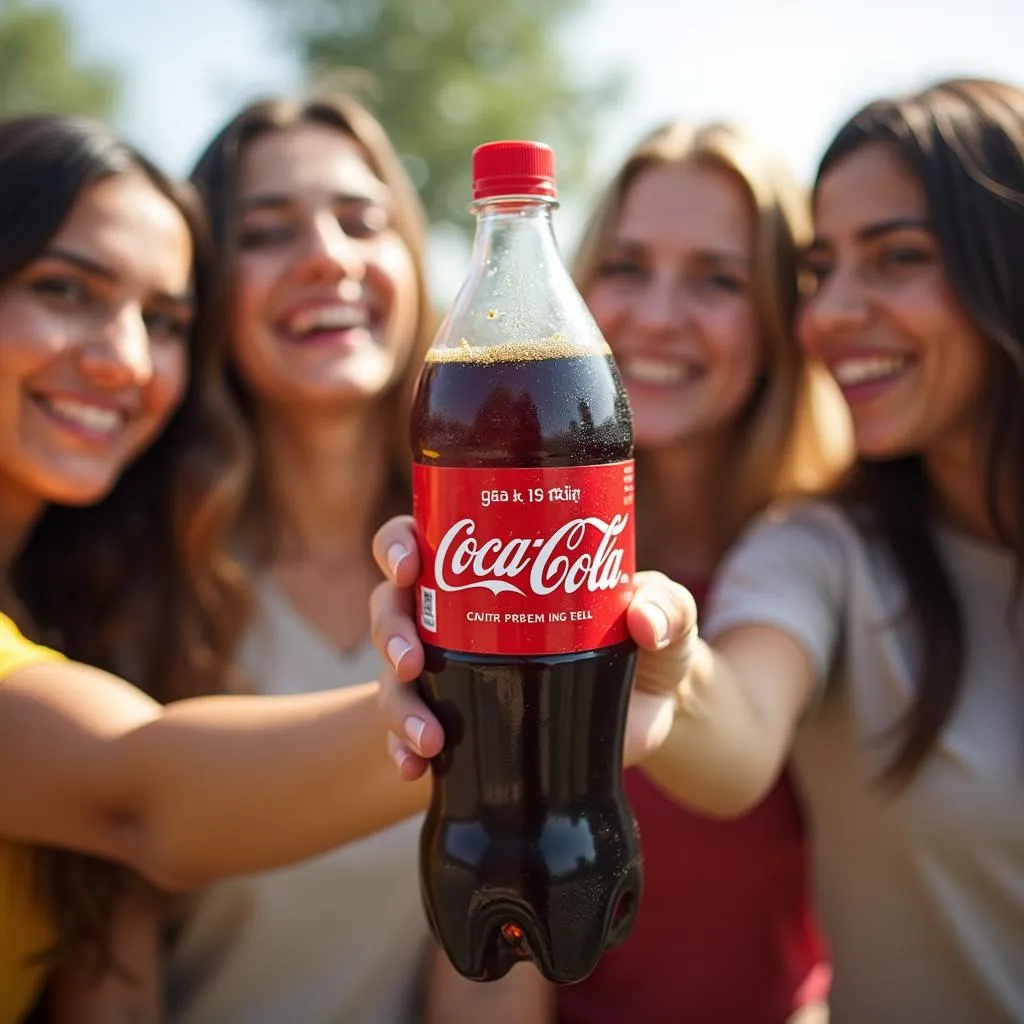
{"type": "Point", "coordinates": [39, 71]}
{"type": "Point", "coordinates": [446, 75]}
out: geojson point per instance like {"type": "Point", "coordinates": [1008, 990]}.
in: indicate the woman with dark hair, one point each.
{"type": "Point", "coordinates": [878, 636]}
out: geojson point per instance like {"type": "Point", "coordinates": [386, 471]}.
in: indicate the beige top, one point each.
{"type": "Point", "coordinates": [921, 895]}
{"type": "Point", "coordinates": [334, 940]}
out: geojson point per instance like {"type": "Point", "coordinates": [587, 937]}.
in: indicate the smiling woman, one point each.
{"type": "Point", "coordinates": [116, 559]}
{"type": "Point", "coordinates": [94, 333]}
{"type": "Point", "coordinates": [319, 237]}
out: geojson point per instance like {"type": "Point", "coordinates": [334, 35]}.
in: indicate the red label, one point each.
{"type": "Point", "coordinates": [524, 561]}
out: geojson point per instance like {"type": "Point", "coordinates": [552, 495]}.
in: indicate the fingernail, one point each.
{"type": "Point", "coordinates": [397, 553]}
{"type": "Point", "coordinates": [397, 751]}
{"type": "Point", "coordinates": [397, 649]}
{"type": "Point", "coordinates": [659, 620]}
{"type": "Point", "coordinates": [414, 730]}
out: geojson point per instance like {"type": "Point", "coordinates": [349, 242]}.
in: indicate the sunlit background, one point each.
{"type": "Point", "coordinates": [789, 70]}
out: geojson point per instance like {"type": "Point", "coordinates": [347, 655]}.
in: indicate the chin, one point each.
{"type": "Point", "coordinates": [876, 447]}
{"type": "Point", "coordinates": [78, 490]}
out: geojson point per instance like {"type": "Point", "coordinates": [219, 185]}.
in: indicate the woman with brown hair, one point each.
{"type": "Point", "coordinates": [688, 264]}
{"type": "Point", "coordinates": [319, 238]}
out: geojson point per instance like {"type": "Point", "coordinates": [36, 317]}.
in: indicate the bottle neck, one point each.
{"type": "Point", "coordinates": [517, 288]}
{"type": "Point", "coordinates": [522, 224]}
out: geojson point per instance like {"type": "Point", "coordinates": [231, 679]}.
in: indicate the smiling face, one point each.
{"type": "Point", "coordinates": [325, 306]}
{"type": "Point", "coordinates": [673, 296]}
{"type": "Point", "coordinates": [94, 344]}
{"type": "Point", "coordinates": [882, 315]}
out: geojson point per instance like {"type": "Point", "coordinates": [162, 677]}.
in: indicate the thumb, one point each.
{"type": "Point", "coordinates": [662, 619]}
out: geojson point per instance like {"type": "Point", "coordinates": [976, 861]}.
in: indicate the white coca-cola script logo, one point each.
{"type": "Point", "coordinates": [555, 563]}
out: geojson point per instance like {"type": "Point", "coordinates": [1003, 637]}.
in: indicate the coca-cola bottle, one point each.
{"type": "Point", "coordinates": [523, 498]}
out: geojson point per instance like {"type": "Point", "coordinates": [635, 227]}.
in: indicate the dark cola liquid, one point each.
{"type": "Point", "coordinates": [529, 849]}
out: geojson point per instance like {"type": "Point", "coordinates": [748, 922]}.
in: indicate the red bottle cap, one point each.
{"type": "Point", "coordinates": [513, 169]}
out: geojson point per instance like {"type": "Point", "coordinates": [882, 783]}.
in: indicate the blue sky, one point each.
{"type": "Point", "coordinates": [790, 70]}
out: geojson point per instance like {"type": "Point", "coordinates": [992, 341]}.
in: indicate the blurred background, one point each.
{"type": "Point", "coordinates": [587, 76]}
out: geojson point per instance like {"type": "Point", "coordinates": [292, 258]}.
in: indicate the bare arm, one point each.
{"type": "Point", "coordinates": [197, 790]}
{"type": "Point", "coordinates": [738, 708]}
{"type": "Point", "coordinates": [133, 994]}
{"type": "Point", "coordinates": [522, 995]}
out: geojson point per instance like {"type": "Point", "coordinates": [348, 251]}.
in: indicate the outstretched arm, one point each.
{"type": "Point", "coordinates": [199, 789]}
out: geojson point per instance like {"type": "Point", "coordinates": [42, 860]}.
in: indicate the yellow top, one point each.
{"type": "Point", "coordinates": [24, 929]}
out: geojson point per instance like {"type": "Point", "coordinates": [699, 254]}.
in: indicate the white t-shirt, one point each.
{"type": "Point", "coordinates": [921, 894]}
{"type": "Point", "coordinates": [339, 939]}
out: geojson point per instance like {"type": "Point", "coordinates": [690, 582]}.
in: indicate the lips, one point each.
{"type": "Point", "coordinates": [89, 419]}
{"type": "Point", "coordinates": [854, 371]}
{"type": "Point", "coordinates": [312, 323]}
{"type": "Point", "coordinates": [656, 372]}
{"type": "Point", "coordinates": [864, 376]}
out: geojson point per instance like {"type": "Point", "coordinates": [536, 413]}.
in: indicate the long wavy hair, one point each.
{"type": "Point", "coordinates": [216, 176]}
{"type": "Point", "coordinates": [963, 140]}
{"type": "Point", "coordinates": [795, 434]}
{"type": "Point", "coordinates": [139, 583]}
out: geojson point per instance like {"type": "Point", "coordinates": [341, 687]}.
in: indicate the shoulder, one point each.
{"type": "Point", "coordinates": [16, 651]}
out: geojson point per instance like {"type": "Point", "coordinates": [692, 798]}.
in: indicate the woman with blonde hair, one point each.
{"type": "Point", "coordinates": [689, 266]}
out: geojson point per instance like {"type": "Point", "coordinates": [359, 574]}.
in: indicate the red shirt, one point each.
{"type": "Point", "coordinates": [725, 930]}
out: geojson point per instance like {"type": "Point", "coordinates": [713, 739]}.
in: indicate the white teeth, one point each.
{"type": "Point", "coordinates": [326, 318]}
{"type": "Point", "coordinates": [858, 371]}
{"type": "Point", "coordinates": [92, 417]}
{"type": "Point", "coordinates": [655, 371]}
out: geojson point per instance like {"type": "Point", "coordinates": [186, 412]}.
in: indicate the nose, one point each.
{"type": "Point", "coordinates": [838, 307]}
{"type": "Point", "coordinates": [119, 355]}
{"type": "Point", "coordinates": [659, 308]}
{"type": "Point", "coordinates": [329, 254]}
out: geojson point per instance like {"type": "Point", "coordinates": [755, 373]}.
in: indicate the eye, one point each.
{"type": "Point", "coordinates": [896, 257]}
{"type": "Point", "coordinates": [263, 236]}
{"type": "Point", "coordinates": [168, 326]}
{"type": "Point", "coordinates": [620, 268]}
{"type": "Point", "coordinates": [68, 290]}
{"type": "Point", "coordinates": [364, 222]}
{"type": "Point", "coordinates": [721, 281]}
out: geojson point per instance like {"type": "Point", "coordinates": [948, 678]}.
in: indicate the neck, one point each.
{"type": "Point", "coordinates": [324, 476]}
{"type": "Point", "coordinates": [18, 514]}
{"type": "Point", "coordinates": [683, 486]}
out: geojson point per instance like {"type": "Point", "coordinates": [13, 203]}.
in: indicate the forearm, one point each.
{"type": "Point", "coordinates": [237, 784]}
{"type": "Point", "coordinates": [723, 752]}
{"type": "Point", "coordinates": [522, 995]}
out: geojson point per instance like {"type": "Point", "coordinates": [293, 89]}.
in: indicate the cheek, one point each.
{"type": "Point", "coordinates": [394, 279]}
{"type": "Point", "coordinates": [734, 352]}
{"type": "Point", "coordinates": [170, 379]}
{"type": "Point", "coordinates": [252, 350]}
{"type": "Point", "coordinates": [394, 276]}
{"type": "Point", "coordinates": [29, 338]}
{"type": "Point", "coordinates": [253, 284]}
{"type": "Point", "coordinates": [608, 310]}
{"type": "Point", "coordinates": [922, 311]}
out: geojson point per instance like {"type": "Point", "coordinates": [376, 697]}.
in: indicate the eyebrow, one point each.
{"type": "Point", "coordinates": [95, 269]}
{"type": "Point", "coordinates": [879, 229]}
{"type": "Point", "coordinates": [700, 255]}
{"type": "Point", "coordinates": [280, 200]}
